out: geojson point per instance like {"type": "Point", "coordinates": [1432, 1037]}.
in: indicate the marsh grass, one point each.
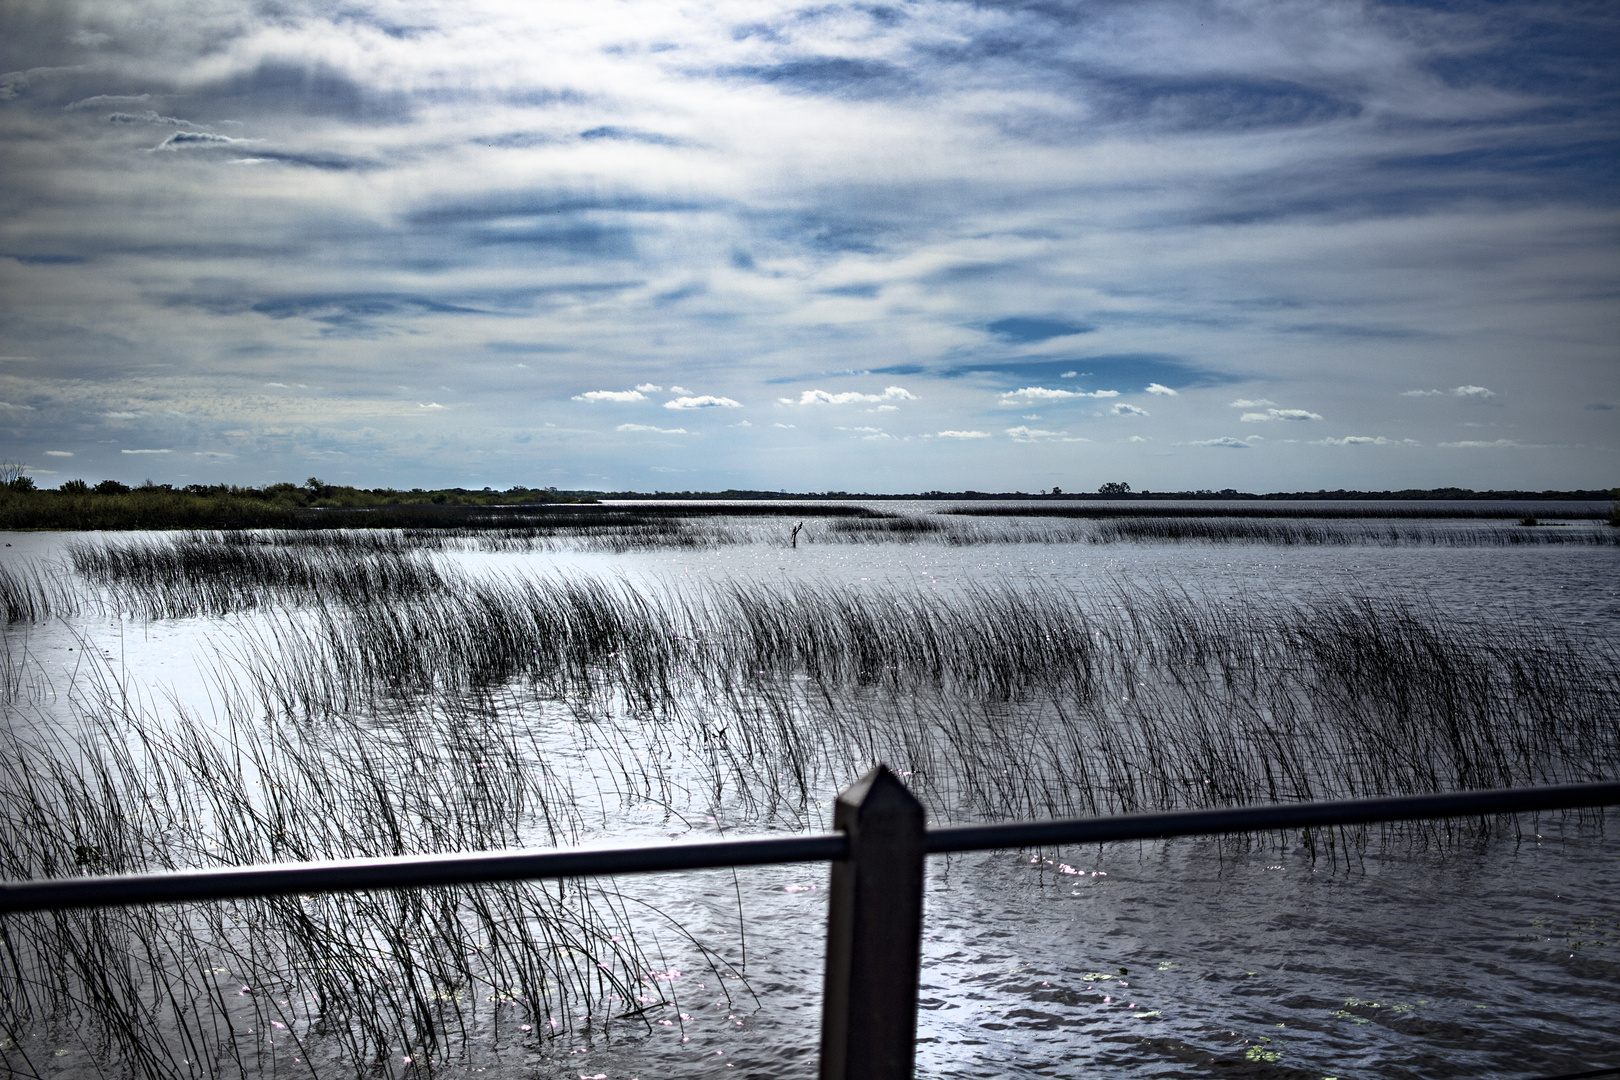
{"type": "Point", "coordinates": [1005, 701]}
{"type": "Point", "coordinates": [31, 592]}
{"type": "Point", "coordinates": [1109, 510]}
{"type": "Point", "coordinates": [194, 574]}
{"type": "Point", "coordinates": [339, 982]}
{"type": "Point", "coordinates": [1285, 532]}
{"type": "Point", "coordinates": [384, 703]}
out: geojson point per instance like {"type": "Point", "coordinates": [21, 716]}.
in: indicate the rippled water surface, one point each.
{"type": "Point", "coordinates": [1473, 954]}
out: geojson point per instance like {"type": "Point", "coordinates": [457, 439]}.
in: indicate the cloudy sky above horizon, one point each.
{"type": "Point", "coordinates": [634, 245]}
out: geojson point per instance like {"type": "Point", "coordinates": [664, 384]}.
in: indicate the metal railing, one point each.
{"type": "Point", "coordinates": [874, 922]}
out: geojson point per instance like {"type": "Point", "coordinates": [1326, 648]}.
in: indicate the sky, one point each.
{"type": "Point", "coordinates": [624, 245]}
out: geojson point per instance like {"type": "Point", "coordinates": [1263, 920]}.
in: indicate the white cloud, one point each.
{"type": "Point", "coordinates": [9, 407]}
{"type": "Point", "coordinates": [1041, 393]}
{"type": "Point", "coordinates": [1160, 388]}
{"type": "Point", "coordinates": [432, 405]}
{"type": "Point", "coordinates": [58, 453]}
{"type": "Point", "coordinates": [1478, 393]}
{"type": "Point", "coordinates": [702, 401]}
{"type": "Point", "coordinates": [145, 451]}
{"type": "Point", "coordinates": [649, 388]}
{"type": "Point", "coordinates": [1365, 440]}
{"type": "Point", "coordinates": [1278, 414]}
{"type": "Point", "coordinates": [622, 396]}
{"type": "Point", "coordinates": [1138, 438]}
{"type": "Point", "coordinates": [679, 390]}
{"type": "Point", "coordinates": [214, 454]}
{"type": "Point", "coordinates": [148, 116]}
{"type": "Point", "coordinates": [785, 425]}
{"type": "Point", "coordinates": [743, 423]}
{"type": "Point", "coordinates": [1069, 375]}
{"type": "Point", "coordinates": [1228, 442]}
{"type": "Point", "coordinates": [1502, 444]}
{"type": "Point", "coordinates": [1024, 433]}
{"type": "Point", "coordinates": [963, 435]}
{"type": "Point", "coordinates": [1122, 409]}
{"type": "Point", "coordinates": [102, 101]}
{"type": "Point", "coordinates": [1255, 403]}
{"type": "Point", "coordinates": [181, 140]}
{"type": "Point", "coordinates": [649, 427]}
{"type": "Point", "coordinates": [849, 397]}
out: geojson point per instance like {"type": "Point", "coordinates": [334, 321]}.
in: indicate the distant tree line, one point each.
{"type": "Point", "coordinates": [111, 504]}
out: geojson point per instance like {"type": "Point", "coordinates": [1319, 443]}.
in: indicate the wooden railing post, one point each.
{"type": "Point", "coordinates": [874, 933]}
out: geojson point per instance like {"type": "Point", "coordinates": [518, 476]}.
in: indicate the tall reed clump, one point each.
{"type": "Point", "coordinates": [30, 592]}
{"type": "Point", "coordinates": [215, 573]}
{"type": "Point", "coordinates": [322, 985]}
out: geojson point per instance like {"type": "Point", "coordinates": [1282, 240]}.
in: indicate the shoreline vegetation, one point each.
{"type": "Point", "coordinates": [373, 701]}
{"type": "Point", "coordinates": [316, 505]}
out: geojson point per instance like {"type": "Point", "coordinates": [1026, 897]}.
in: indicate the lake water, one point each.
{"type": "Point", "coordinates": [1492, 955]}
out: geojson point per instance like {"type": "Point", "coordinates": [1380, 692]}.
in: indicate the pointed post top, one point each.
{"type": "Point", "coordinates": [879, 801]}
{"type": "Point", "coordinates": [879, 790]}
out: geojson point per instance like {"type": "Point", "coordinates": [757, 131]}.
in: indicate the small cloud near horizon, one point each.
{"type": "Point", "coordinates": [849, 397]}
{"type": "Point", "coordinates": [621, 396]}
{"type": "Point", "coordinates": [649, 427]}
{"type": "Point", "coordinates": [1278, 414]}
{"type": "Point", "coordinates": [703, 401]}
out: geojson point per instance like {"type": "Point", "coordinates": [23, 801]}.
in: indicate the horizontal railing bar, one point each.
{"type": "Point", "coordinates": [414, 871]}
{"type": "Point", "coordinates": [411, 871]}
{"type": "Point", "coordinates": [1267, 818]}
